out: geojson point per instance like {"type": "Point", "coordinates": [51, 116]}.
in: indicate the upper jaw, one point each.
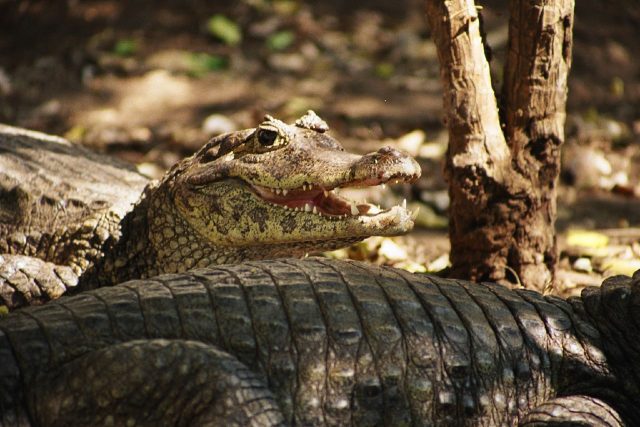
{"type": "Point", "coordinates": [329, 169]}
{"type": "Point", "coordinates": [384, 166]}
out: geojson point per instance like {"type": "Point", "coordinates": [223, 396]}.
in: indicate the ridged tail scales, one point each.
{"type": "Point", "coordinates": [163, 382]}
{"type": "Point", "coordinates": [13, 410]}
{"type": "Point", "coordinates": [335, 342]}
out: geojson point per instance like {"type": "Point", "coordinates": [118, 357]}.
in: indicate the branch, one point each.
{"type": "Point", "coordinates": [475, 135]}
{"type": "Point", "coordinates": [535, 85]}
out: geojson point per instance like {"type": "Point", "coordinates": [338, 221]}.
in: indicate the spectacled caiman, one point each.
{"type": "Point", "coordinates": [70, 218]}
{"type": "Point", "coordinates": [317, 342]}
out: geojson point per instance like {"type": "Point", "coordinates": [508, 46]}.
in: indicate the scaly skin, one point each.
{"type": "Point", "coordinates": [317, 342]}
{"type": "Point", "coordinates": [59, 204]}
{"type": "Point", "coordinates": [252, 194]}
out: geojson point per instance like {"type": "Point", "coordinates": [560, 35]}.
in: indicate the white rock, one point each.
{"type": "Point", "coordinates": [217, 124]}
{"type": "Point", "coordinates": [583, 264]}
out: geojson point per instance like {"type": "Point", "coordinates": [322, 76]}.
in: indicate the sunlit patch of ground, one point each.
{"type": "Point", "coordinates": [151, 82]}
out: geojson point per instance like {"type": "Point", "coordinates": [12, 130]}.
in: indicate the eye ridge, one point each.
{"type": "Point", "coordinates": [267, 137]}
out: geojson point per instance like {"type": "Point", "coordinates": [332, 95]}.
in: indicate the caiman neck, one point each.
{"type": "Point", "coordinates": [127, 255]}
{"type": "Point", "coordinates": [178, 246]}
{"type": "Point", "coordinates": [155, 240]}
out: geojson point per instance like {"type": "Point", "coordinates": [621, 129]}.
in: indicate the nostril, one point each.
{"type": "Point", "coordinates": [391, 152]}
{"type": "Point", "coordinates": [387, 150]}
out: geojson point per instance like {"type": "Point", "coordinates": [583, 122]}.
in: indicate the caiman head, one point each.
{"type": "Point", "coordinates": [270, 192]}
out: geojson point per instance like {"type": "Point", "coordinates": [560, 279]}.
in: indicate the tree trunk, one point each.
{"type": "Point", "coordinates": [502, 174]}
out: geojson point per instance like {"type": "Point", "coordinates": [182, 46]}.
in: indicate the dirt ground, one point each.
{"type": "Point", "coordinates": [151, 81]}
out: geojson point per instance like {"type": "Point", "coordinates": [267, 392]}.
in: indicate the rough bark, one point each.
{"type": "Point", "coordinates": [502, 174]}
{"type": "Point", "coordinates": [535, 93]}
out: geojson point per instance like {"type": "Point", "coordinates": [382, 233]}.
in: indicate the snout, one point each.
{"type": "Point", "coordinates": [386, 164]}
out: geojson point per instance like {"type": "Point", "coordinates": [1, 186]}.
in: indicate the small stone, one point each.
{"type": "Point", "coordinates": [150, 170]}
{"type": "Point", "coordinates": [217, 124]}
{"type": "Point", "coordinates": [583, 264]}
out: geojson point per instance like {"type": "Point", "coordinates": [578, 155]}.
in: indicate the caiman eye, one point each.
{"type": "Point", "coordinates": [267, 137]}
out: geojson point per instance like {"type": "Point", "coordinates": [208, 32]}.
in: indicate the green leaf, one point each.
{"type": "Point", "coordinates": [224, 29]}
{"type": "Point", "coordinates": [617, 87]}
{"type": "Point", "coordinates": [76, 133]}
{"type": "Point", "coordinates": [203, 63]}
{"type": "Point", "coordinates": [280, 40]}
{"type": "Point", "coordinates": [285, 7]}
{"type": "Point", "coordinates": [125, 47]}
{"type": "Point", "coordinates": [384, 70]}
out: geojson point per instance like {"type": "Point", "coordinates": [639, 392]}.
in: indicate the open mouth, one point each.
{"type": "Point", "coordinates": [326, 201]}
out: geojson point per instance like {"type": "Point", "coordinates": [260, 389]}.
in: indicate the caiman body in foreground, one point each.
{"type": "Point", "coordinates": [67, 216]}
{"type": "Point", "coordinates": [318, 342]}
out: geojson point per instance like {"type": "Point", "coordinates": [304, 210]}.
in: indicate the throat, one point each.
{"type": "Point", "coordinates": [126, 256]}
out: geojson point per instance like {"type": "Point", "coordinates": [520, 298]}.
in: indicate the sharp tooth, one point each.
{"type": "Point", "coordinates": [354, 208]}
{"type": "Point", "coordinates": [404, 203]}
{"type": "Point", "coordinates": [397, 218]}
{"type": "Point", "coordinates": [384, 186]}
{"type": "Point", "coordinates": [414, 214]}
{"type": "Point", "coordinates": [326, 193]}
{"type": "Point", "coordinates": [277, 191]}
{"type": "Point", "coordinates": [375, 161]}
{"type": "Point", "coordinates": [308, 207]}
{"type": "Point", "coordinates": [315, 210]}
{"type": "Point", "coordinates": [284, 191]}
